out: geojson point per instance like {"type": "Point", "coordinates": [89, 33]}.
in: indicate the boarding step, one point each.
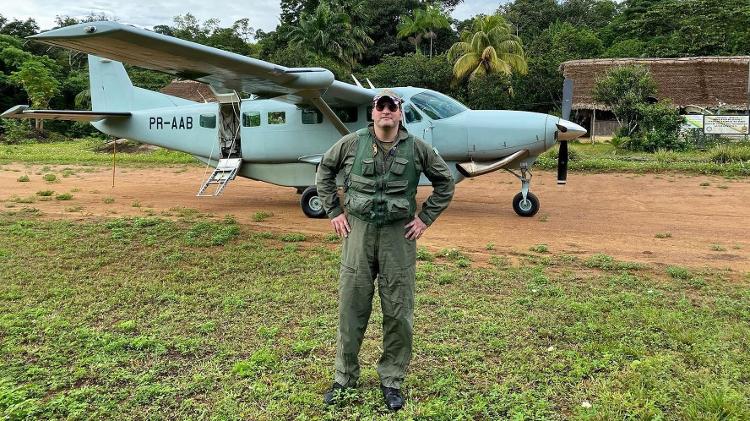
{"type": "Point", "coordinates": [224, 172]}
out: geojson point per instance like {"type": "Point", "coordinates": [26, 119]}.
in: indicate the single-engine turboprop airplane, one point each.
{"type": "Point", "coordinates": [293, 116]}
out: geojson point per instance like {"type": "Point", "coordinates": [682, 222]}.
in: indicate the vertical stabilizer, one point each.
{"type": "Point", "coordinates": [112, 91]}
{"type": "Point", "coordinates": [110, 86]}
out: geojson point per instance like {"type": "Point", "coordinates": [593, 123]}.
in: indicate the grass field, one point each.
{"type": "Point", "coordinates": [83, 152]}
{"type": "Point", "coordinates": [182, 316]}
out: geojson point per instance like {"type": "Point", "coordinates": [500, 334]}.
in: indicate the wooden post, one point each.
{"type": "Point", "coordinates": [114, 161]}
{"type": "Point", "coordinates": [593, 128]}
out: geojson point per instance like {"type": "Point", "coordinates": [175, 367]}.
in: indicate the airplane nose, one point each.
{"type": "Point", "coordinates": [567, 130]}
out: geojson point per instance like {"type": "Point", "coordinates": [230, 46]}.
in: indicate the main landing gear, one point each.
{"type": "Point", "coordinates": [525, 202]}
{"type": "Point", "coordinates": [311, 204]}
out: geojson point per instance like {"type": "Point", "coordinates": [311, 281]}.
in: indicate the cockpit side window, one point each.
{"type": "Point", "coordinates": [411, 115]}
{"type": "Point", "coordinates": [437, 105]}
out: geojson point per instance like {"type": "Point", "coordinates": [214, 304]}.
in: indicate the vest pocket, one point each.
{"type": "Point", "coordinates": [358, 203]}
{"type": "Point", "coordinates": [398, 186]}
{"type": "Point", "coordinates": [368, 167]}
{"type": "Point", "coordinates": [398, 208]}
{"type": "Point", "coordinates": [399, 165]}
{"type": "Point", "coordinates": [362, 184]}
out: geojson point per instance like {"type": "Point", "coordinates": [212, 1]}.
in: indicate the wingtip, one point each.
{"type": "Point", "coordinates": [79, 30]}
{"type": "Point", "coordinates": [14, 111]}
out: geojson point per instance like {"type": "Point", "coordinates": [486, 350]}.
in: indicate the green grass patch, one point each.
{"type": "Point", "coordinates": [155, 316]}
{"type": "Point", "coordinates": [663, 235]}
{"type": "Point", "coordinates": [725, 160]}
{"type": "Point", "coordinates": [606, 262]}
{"type": "Point", "coordinates": [23, 179]}
{"type": "Point", "coordinates": [84, 151]}
{"type": "Point", "coordinates": [45, 193]}
{"type": "Point", "coordinates": [539, 248]}
{"type": "Point", "coordinates": [50, 178]}
{"type": "Point", "coordinates": [64, 196]}
{"type": "Point", "coordinates": [261, 216]}
{"type": "Point", "coordinates": [293, 237]}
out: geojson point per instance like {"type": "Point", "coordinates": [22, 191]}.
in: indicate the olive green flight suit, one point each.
{"type": "Point", "coordinates": [380, 191]}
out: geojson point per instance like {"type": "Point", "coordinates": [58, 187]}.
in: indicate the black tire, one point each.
{"type": "Point", "coordinates": [530, 208]}
{"type": "Point", "coordinates": [311, 204]}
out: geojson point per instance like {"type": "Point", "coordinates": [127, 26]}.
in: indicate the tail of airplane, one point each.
{"type": "Point", "coordinates": [112, 91]}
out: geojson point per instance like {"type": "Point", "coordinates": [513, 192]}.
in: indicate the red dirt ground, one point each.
{"type": "Point", "coordinates": [616, 214]}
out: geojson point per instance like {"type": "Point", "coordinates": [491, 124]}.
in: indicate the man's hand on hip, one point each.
{"type": "Point", "coordinates": [341, 225]}
{"type": "Point", "coordinates": [415, 228]}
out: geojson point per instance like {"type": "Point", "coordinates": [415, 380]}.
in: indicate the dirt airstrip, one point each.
{"type": "Point", "coordinates": [703, 221]}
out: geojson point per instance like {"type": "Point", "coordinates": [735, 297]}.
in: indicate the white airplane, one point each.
{"type": "Point", "coordinates": [293, 117]}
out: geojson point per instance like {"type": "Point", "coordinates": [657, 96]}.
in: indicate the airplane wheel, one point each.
{"type": "Point", "coordinates": [528, 208]}
{"type": "Point", "coordinates": [311, 204]}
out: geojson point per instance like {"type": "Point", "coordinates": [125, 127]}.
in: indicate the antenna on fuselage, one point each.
{"type": "Point", "coordinates": [370, 83]}
{"type": "Point", "coordinates": [356, 81]}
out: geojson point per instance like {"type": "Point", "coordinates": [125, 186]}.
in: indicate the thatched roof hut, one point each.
{"type": "Point", "coordinates": [190, 90]}
{"type": "Point", "coordinates": [701, 81]}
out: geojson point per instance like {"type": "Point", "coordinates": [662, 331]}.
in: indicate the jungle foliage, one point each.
{"type": "Point", "coordinates": [406, 43]}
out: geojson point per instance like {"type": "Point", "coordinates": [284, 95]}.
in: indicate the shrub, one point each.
{"type": "Point", "coordinates": [648, 126]}
{"type": "Point", "coordinates": [23, 179]}
{"type": "Point", "coordinates": [16, 131]}
{"type": "Point", "coordinates": [723, 154]}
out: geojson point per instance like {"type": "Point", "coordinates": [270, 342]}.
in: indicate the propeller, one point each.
{"type": "Point", "coordinates": [562, 155]}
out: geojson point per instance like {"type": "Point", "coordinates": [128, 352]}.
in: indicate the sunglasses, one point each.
{"type": "Point", "coordinates": [380, 106]}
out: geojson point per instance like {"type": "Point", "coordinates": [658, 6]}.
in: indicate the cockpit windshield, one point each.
{"type": "Point", "coordinates": [437, 105]}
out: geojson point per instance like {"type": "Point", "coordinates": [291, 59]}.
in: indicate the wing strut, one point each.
{"type": "Point", "coordinates": [328, 112]}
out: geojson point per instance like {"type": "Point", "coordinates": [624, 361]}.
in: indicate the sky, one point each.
{"type": "Point", "coordinates": [263, 14]}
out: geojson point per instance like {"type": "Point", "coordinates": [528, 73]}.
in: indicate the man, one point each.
{"type": "Point", "coordinates": [382, 165]}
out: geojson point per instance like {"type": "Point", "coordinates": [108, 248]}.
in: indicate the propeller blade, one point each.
{"type": "Point", "coordinates": [562, 163]}
{"type": "Point", "coordinates": [567, 101]}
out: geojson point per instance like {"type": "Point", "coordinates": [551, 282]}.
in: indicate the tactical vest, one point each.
{"type": "Point", "coordinates": [387, 197]}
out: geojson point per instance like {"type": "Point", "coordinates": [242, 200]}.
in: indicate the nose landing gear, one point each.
{"type": "Point", "coordinates": [525, 203]}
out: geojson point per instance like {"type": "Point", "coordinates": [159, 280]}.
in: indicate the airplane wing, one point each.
{"type": "Point", "coordinates": [189, 60]}
{"type": "Point", "coordinates": [22, 112]}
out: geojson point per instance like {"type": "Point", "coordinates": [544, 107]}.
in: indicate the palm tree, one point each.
{"type": "Point", "coordinates": [424, 24]}
{"type": "Point", "coordinates": [489, 47]}
{"type": "Point", "coordinates": [331, 34]}
{"type": "Point", "coordinates": [412, 26]}
{"type": "Point", "coordinates": [433, 19]}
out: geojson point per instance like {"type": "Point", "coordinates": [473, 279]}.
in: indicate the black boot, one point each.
{"type": "Point", "coordinates": [393, 399]}
{"type": "Point", "coordinates": [332, 395]}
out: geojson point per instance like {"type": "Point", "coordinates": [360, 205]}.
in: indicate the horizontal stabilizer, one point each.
{"type": "Point", "coordinates": [23, 112]}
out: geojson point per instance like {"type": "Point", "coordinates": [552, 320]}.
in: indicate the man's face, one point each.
{"type": "Point", "coordinates": [386, 114]}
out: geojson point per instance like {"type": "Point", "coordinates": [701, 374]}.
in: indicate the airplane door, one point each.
{"type": "Point", "coordinates": [417, 124]}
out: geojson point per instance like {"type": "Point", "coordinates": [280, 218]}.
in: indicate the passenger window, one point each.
{"type": "Point", "coordinates": [208, 121]}
{"type": "Point", "coordinates": [277, 117]}
{"type": "Point", "coordinates": [251, 119]}
{"type": "Point", "coordinates": [411, 115]}
{"type": "Point", "coordinates": [311, 116]}
{"type": "Point", "coordinates": [346, 115]}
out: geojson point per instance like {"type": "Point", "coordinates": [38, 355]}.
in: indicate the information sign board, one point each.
{"type": "Point", "coordinates": [725, 124]}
